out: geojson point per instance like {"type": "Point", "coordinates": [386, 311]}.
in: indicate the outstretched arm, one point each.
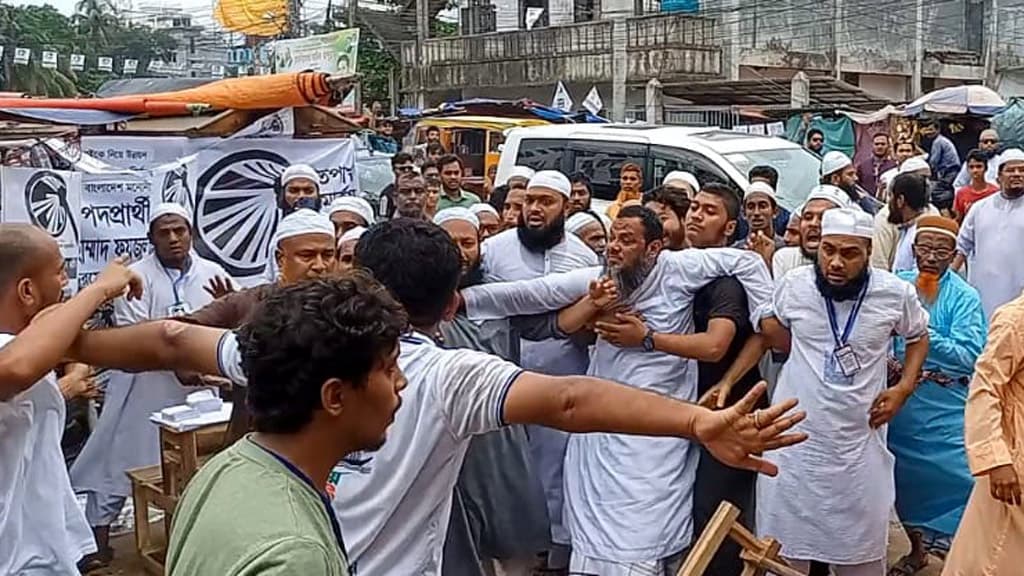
{"type": "Point", "coordinates": [582, 404]}
{"type": "Point", "coordinates": [545, 294]}
{"type": "Point", "coordinates": [158, 345]}
{"type": "Point", "coordinates": [696, 268]}
{"type": "Point", "coordinates": [38, 348]}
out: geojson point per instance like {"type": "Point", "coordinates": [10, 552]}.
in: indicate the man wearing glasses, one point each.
{"type": "Point", "coordinates": [816, 142]}
{"type": "Point", "coordinates": [401, 163]}
{"type": "Point", "coordinates": [933, 480]}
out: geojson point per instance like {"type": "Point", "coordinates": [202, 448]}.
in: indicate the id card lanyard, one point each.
{"type": "Point", "coordinates": [842, 339]}
{"type": "Point", "coordinates": [175, 283]}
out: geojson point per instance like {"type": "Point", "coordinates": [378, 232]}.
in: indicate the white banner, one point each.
{"type": "Point", "coordinates": [105, 64]}
{"type": "Point", "coordinates": [216, 71]}
{"type": "Point", "coordinates": [49, 59]}
{"type": "Point", "coordinates": [50, 199]}
{"type": "Point", "coordinates": [135, 152]}
{"type": "Point", "coordinates": [562, 101]}
{"type": "Point", "coordinates": [276, 125]}
{"type": "Point", "coordinates": [130, 66]}
{"type": "Point", "coordinates": [78, 62]}
{"type": "Point", "coordinates": [21, 55]}
{"type": "Point", "coordinates": [115, 219]}
{"type": "Point", "coordinates": [236, 198]}
{"type": "Point", "coordinates": [593, 101]}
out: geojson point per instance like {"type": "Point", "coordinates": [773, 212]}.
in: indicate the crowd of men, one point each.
{"type": "Point", "coordinates": [514, 383]}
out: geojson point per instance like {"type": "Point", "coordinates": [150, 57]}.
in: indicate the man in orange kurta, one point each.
{"type": "Point", "coordinates": [990, 540]}
{"type": "Point", "coordinates": [631, 182]}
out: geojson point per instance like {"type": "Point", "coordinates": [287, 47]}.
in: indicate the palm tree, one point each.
{"type": "Point", "coordinates": [95, 20]}
{"type": "Point", "coordinates": [37, 28]}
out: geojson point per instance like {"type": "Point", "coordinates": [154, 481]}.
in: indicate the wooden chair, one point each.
{"type": "Point", "coordinates": [760, 556]}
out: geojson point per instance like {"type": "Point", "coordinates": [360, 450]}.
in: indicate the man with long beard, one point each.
{"type": "Point", "coordinates": [482, 530]}
{"type": "Point", "coordinates": [617, 522]}
{"type": "Point", "coordinates": [536, 247]}
{"type": "Point", "coordinates": [838, 317]}
{"type": "Point", "coordinates": [992, 234]}
{"type": "Point", "coordinates": [820, 199]}
{"type": "Point", "coordinates": [933, 480]}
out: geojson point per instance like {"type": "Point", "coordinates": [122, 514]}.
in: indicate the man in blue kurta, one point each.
{"type": "Point", "coordinates": [933, 481]}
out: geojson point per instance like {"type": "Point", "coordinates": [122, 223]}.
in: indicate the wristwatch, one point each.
{"type": "Point", "coordinates": [648, 341]}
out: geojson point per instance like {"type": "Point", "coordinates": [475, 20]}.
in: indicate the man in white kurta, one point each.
{"type": "Point", "coordinates": [833, 495]}
{"type": "Point", "coordinates": [124, 437]}
{"type": "Point", "coordinates": [536, 247]}
{"type": "Point", "coordinates": [628, 499]}
{"type": "Point", "coordinates": [821, 198]}
{"type": "Point", "coordinates": [992, 235]}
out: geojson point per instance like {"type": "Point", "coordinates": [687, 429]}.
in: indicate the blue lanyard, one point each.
{"type": "Point", "coordinates": [176, 282]}
{"type": "Point", "coordinates": [335, 526]}
{"type": "Point", "coordinates": [850, 320]}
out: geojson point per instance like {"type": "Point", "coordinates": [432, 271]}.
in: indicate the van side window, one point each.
{"type": "Point", "coordinates": [665, 160]}
{"type": "Point", "coordinates": [601, 161]}
{"type": "Point", "coordinates": [541, 154]}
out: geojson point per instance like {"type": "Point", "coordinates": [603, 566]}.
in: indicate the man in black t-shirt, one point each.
{"type": "Point", "coordinates": [722, 314]}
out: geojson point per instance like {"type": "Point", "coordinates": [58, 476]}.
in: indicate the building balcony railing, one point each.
{"type": "Point", "coordinates": [659, 46]}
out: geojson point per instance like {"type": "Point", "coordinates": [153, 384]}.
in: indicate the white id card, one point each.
{"type": "Point", "coordinates": [847, 360]}
{"type": "Point", "coordinates": [178, 309]}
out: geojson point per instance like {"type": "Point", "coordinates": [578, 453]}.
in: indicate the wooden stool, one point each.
{"type": "Point", "coordinates": [759, 556]}
{"type": "Point", "coordinates": [160, 486]}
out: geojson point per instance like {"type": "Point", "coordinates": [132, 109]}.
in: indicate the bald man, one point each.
{"type": "Point", "coordinates": [42, 529]}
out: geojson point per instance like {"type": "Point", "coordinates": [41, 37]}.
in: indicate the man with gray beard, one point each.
{"type": "Point", "coordinates": [629, 500]}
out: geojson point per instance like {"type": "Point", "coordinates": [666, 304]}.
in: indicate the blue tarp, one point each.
{"type": "Point", "coordinates": [68, 116]}
{"type": "Point", "coordinates": [492, 107]}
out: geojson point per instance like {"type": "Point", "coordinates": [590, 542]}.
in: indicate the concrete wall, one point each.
{"type": "Point", "coordinates": [892, 87]}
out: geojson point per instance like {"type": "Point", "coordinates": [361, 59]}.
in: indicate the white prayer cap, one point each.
{"type": "Point", "coordinates": [520, 172]}
{"type": "Point", "coordinates": [481, 207]}
{"type": "Point", "coordinates": [456, 213]}
{"type": "Point", "coordinates": [551, 180]}
{"type": "Point", "coordinates": [833, 162]}
{"type": "Point", "coordinates": [681, 176]}
{"type": "Point", "coordinates": [1010, 155]}
{"type": "Point", "coordinates": [353, 204]}
{"type": "Point", "coordinates": [169, 208]}
{"type": "Point", "coordinates": [300, 171]}
{"type": "Point", "coordinates": [303, 221]}
{"type": "Point", "coordinates": [830, 193]}
{"type": "Point", "coordinates": [762, 188]}
{"type": "Point", "coordinates": [847, 222]}
{"type": "Point", "coordinates": [352, 234]}
{"type": "Point", "coordinates": [914, 164]}
{"type": "Point", "coordinates": [581, 220]}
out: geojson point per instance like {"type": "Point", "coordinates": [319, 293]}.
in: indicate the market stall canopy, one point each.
{"type": "Point", "coordinates": [66, 116]}
{"type": "Point", "coordinates": [247, 93]}
{"type": "Point", "coordinates": [958, 100]}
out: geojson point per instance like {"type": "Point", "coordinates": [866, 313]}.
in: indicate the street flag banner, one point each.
{"type": "Point", "coordinates": [130, 65]}
{"type": "Point", "coordinates": [532, 15]}
{"type": "Point", "coordinates": [334, 53]}
{"type": "Point", "coordinates": [593, 102]}
{"type": "Point", "coordinates": [562, 100]}
{"type": "Point", "coordinates": [216, 71]}
{"type": "Point", "coordinates": [21, 55]}
{"type": "Point", "coordinates": [49, 59]}
{"type": "Point", "coordinates": [78, 62]}
{"type": "Point", "coordinates": [105, 64]}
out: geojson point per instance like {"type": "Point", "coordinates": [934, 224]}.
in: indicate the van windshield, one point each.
{"type": "Point", "coordinates": [798, 171]}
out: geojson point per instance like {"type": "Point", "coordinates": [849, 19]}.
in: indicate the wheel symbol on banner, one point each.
{"type": "Point", "coordinates": [175, 188]}
{"type": "Point", "coordinates": [46, 196]}
{"type": "Point", "coordinates": [236, 210]}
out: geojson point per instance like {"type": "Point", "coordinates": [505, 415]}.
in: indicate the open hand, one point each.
{"type": "Point", "coordinates": [627, 331]}
{"type": "Point", "coordinates": [886, 405]}
{"type": "Point", "coordinates": [118, 280]}
{"type": "Point", "coordinates": [738, 435]}
{"type": "Point", "coordinates": [219, 287]}
{"type": "Point", "coordinates": [764, 246]}
{"type": "Point", "coordinates": [1004, 484]}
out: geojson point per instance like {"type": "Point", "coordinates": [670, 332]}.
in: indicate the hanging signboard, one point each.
{"type": "Point", "coordinates": [334, 53]}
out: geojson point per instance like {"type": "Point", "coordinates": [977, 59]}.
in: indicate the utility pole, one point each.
{"type": "Point", "coordinates": [353, 13]}
{"type": "Point", "coordinates": [837, 27]}
{"type": "Point", "coordinates": [915, 80]}
{"type": "Point", "coordinates": [294, 18]}
{"type": "Point", "coordinates": [992, 47]}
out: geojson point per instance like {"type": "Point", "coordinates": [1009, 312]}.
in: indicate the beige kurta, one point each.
{"type": "Point", "coordinates": [990, 540]}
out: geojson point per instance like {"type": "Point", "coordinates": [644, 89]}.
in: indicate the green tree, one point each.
{"type": "Point", "coordinates": [375, 67]}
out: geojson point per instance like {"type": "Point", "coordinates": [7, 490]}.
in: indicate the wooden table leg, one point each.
{"type": "Point", "coordinates": [714, 534]}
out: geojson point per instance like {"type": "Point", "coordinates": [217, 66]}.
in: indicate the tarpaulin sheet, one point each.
{"type": "Point", "coordinates": [68, 116]}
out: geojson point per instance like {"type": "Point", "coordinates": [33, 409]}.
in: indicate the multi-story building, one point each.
{"type": "Point", "coordinates": [201, 52]}
{"type": "Point", "coordinates": [713, 48]}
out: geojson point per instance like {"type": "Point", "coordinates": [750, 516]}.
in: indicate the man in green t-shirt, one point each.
{"type": "Point", "coordinates": [452, 194]}
{"type": "Point", "coordinates": [321, 359]}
